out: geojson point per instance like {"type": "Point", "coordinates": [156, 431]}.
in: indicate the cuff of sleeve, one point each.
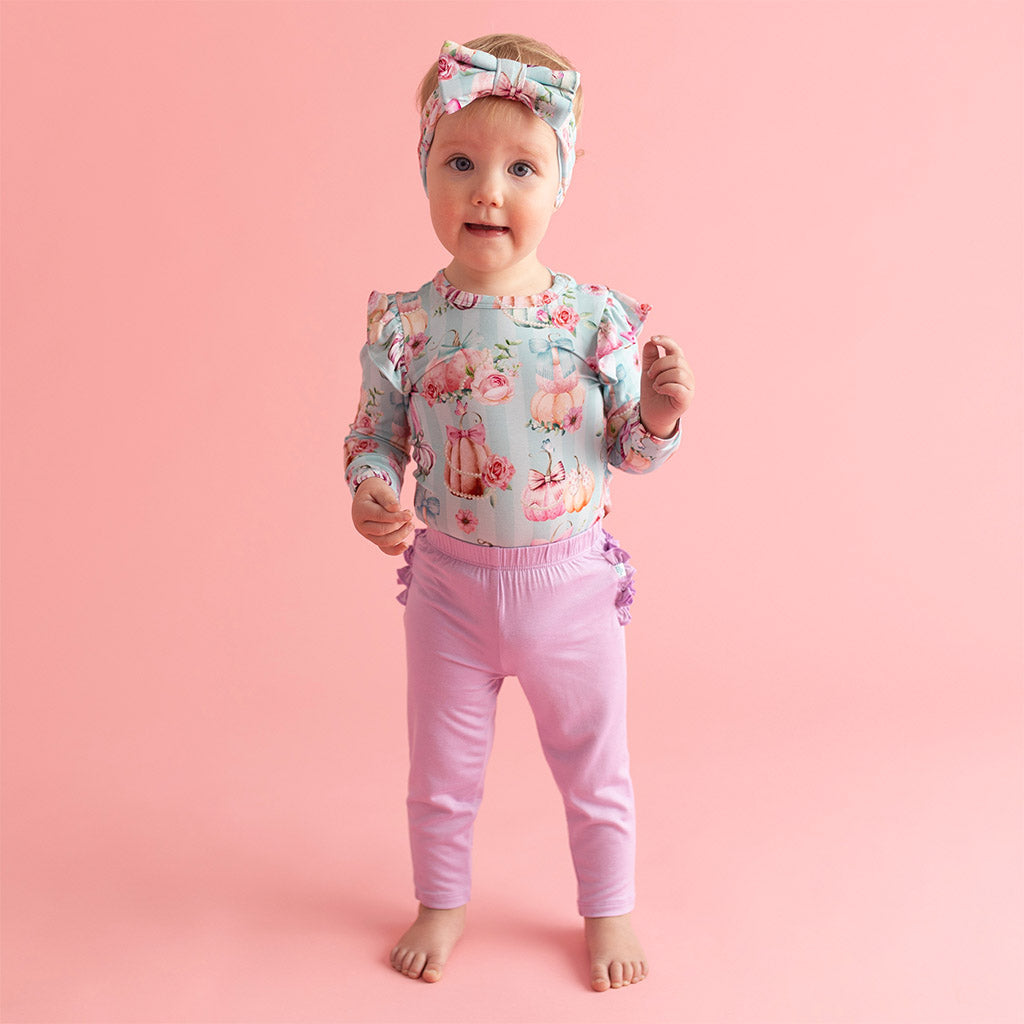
{"type": "Point", "coordinates": [364, 474]}
{"type": "Point", "coordinates": [648, 444]}
{"type": "Point", "coordinates": [643, 451]}
{"type": "Point", "coordinates": [646, 434]}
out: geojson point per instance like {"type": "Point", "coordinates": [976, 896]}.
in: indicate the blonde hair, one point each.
{"type": "Point", "coordinates": [507, 46]}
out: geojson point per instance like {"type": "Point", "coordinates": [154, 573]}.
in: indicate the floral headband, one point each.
{"type": "Point", "coordinates": [464, 75]}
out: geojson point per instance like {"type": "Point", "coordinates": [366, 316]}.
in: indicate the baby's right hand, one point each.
{"type": "Point", "coordinates": [379, 518]}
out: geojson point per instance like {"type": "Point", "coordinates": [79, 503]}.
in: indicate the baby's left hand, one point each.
{"type": "Point", "coordinates": [666, 385]}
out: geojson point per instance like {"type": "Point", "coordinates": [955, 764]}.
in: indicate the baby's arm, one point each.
{"type": "Point", "coordinates": [666, 386]}
{"type": "Point", "coordinates": [379, 518]}
{"type": "Point", "coordinates": [377, 446]}
{"type": "Point", "coordinates": [645, 392]}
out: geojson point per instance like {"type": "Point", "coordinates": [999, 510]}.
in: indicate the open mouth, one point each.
{"type": "Point", "coordinates": [486, 230]}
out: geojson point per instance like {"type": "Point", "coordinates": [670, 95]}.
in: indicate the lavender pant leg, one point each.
{"type": "Point", "coordinates": [571, 661]}
{"type": "Point", "coordinates": [453, 685]}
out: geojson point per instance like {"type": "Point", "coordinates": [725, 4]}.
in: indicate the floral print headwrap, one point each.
{"type": "Point", "coordinates": [464, 75]}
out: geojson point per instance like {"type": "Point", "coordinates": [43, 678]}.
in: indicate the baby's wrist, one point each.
{"type": "Point", "coordinates": [661, 429]}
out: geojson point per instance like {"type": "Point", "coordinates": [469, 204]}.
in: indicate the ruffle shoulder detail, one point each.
{"type": "Point", "coordinates": [385, 338]}
{"type": "Point", "coordinates": [622, 319]}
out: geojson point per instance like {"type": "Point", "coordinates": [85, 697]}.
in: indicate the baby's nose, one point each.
{"type": "Point", "coordinates": [488, 191]}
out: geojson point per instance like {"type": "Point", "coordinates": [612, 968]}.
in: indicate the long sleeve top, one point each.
{"type": "Point", "coordinates": [514, 409]}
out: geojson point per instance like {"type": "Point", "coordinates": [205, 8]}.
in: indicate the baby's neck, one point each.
{"type": "Point", "coordinates": [530, 280]}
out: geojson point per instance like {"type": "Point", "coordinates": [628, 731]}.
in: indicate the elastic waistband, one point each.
{"type": "Point", "coordinates": [515, 558]}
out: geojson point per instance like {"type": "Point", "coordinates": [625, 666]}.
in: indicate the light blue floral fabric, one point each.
{"type": "Point", "coordinates": [513, 409]}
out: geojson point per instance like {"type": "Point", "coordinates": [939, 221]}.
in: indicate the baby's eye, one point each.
{"type": "Point", "coordinates": [461, 163]}
{"type": "Point", "coordinates": [521, 169]}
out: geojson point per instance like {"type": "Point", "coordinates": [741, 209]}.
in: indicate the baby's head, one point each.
{"type": "Point", "coordinates": [490, 73]}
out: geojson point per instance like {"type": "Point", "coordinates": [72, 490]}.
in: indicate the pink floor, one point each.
{"type": "Point", "coordinates": [850, 862]}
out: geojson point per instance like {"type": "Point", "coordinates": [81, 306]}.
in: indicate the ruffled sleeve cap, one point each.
{"type": "Point", "coordinates": [618, 358]}
{"type": "Point", "coordinates": [385, 339]}
{"type": "Point", "coordinates": [621, 321]}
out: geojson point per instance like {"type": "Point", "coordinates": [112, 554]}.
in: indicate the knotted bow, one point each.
{"type": "Point", "coordinates": [464, 75]}
{"type": "Point", "coordinates": [476, 433]}
{"type": "Point", "coordinates": [539, 479]}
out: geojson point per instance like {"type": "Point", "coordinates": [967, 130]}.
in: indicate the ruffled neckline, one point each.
{"type": "Point", "coordinates": [470, 300]}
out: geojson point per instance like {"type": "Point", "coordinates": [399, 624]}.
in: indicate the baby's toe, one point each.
{"type": "Point", "coordinates": [615, 973]}
{"type": "Point", "coordinates": [433, 969]}
{"type": "Point", "coordinates": [599, 980]}
{"type": "Point", "coordinates": [416, 966]}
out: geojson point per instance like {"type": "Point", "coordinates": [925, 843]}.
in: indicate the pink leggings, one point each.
{"type": "Point", "coordinates": [553, 616]}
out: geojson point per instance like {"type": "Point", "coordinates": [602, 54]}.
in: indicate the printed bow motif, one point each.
{"type": "Point", "coordinates": [537, 479]}
{"type": "Point", "coordinates": [476, 433]}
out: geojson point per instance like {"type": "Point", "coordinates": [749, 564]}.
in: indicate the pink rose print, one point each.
{"type": "Point", "coordinates": [363, 423]}
{"type": "Point", "coordinates": [446, 68]}
{"type": "Point", "coordinates": [566, 318]}
{"type": "Point", "coordinates": [466, 520]}
{"type": "Point", "coordinates": [573, 418]}
{"type": "Point", "coordinates": [433, 385]}
{"type": "Point", "coordinates": [358, 446]}
{"type": "Point", "coordinates": [643, 310]}
{"type": "Point", "coordinates": [547, 298]}
{"type": "Point", "coordinates": [492, 388]}
{"type": "Point", "coordinates": [498, 472]}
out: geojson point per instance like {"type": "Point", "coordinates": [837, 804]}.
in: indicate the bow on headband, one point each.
{"type": "Point", "coordinates": [464, 75]}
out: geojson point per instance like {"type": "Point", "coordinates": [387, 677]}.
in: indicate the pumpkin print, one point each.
{"type": "Point", "coordinates": [543, 495]}
{"type": "Point", "coordinates": [556, 396]}
{"type": "Point", "coordinates": [465, 455]}
{"type": "Point", "coordinates": [579, 487]}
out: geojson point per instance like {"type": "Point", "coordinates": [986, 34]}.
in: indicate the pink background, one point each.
{"type": "Point", "coordinates": [203, 742]}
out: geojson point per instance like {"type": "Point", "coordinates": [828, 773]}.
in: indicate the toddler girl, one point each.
{"type": "Point", "coordinates": [514, 388]}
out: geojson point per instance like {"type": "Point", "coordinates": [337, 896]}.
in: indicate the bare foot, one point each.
{"type": "Point", "coordinates": [424, 949]}
{"type": "Point", "coordinates": [616, 959]}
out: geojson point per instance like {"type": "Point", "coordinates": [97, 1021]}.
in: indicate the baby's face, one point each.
{"type": "Point", "coordinates": [492, 180]}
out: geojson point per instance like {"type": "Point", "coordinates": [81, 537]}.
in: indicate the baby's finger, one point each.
{"type": "Point", "coordinates": [393, 538]}
{"type": "Point", "coordinates": [654, 363]}
{"type": "Point", "coordinates": [673, 389]}
{"type": "Point", "coordinates": [670, 362]}
{"type": "Point", "coordinates": [377, 531]}
{"type": "Point", "coordinates": [398, 548]}
{"type": "Point", "coordinates": [376, 514]}
{"type": "Point", "coordinates": [661, 372]}
{"type": "Point", "coordinates": [670, 345]}
{"type": "Point", "coordinates": [377, 522]}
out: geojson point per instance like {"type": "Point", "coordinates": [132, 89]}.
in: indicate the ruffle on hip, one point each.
{"type": "Point", "coordinates": [620, 561]}
{"type": "Point", "coordinates": [405, 573]}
